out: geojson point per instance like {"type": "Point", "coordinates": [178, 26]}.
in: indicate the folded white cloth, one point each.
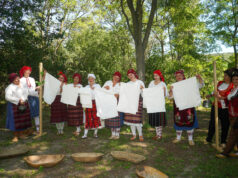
{"type": "Point", "coordinates": [106, 103]}
{"type": "Point", "coordinates": [85, 97]}
{"type": "Point", "coordinates": [69, 95]}
{"type": "Point", "coordinates": [153, 99]}
{"type": "Point", "coordinates": [129, 98]}
{"type": "Point", "coordinates": [51, 87]}
{"type": "Point", "coordinates": [186, 93]}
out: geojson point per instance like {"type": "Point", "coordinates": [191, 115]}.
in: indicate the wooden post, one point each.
{"type": "Point", "coordinates": [216, 107]}
{"type": "Point", "coordinates": [40, 96]}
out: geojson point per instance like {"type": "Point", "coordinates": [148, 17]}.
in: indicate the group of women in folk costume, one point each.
{"type": "Point", "coordinates": [61, 113]}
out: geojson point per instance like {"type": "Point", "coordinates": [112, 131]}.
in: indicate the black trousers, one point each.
{"type": "Point", "coordinates": [223, 116]}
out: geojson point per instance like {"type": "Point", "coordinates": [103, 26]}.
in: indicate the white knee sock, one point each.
{"type": "Point", "coordinates": [37, 123]}
{"type": "Point", "coordinates": [85, 132]}
{"type": "Point", "coordinates": [190, 134]}
{"type": "Point", "coordinates": [113, 132]}
{"type": "Point", "coordinates": [58, 126]}
{"type": "Point", "coordinates": [159, 131]}
{"type": "Point", "coordinates": [139, 129]}
{"type": "Point", "coordinates": [61, 127]}
{"type": "Point", "coordinates": [179, 134]}
{"type": "Point", "coordinates": [96, 132]}
{"type": "Point", "coordinates": [133, 130]}
{"type": "Point", "coordinates": [118, 132]}
{"type": "Point", "coordinates": [78, 129]}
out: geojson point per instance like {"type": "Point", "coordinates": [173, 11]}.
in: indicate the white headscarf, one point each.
{"type": "Point", "coordinates": [92, 75]}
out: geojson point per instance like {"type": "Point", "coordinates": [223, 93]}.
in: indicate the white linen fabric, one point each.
{"type": "Point", "coordinates": [51, 88]}
{"type": "Point", "coordinates": [154, 99]}
{"type": "Point", "coordinates": [30, 85]}
{"type": "Point", "coordinates": [106, 103]}
{"type": "Point", "coordinates": [129, 97]}
{"type": "Point", "coordinates": [69, 95]}
{"type": "Point", "coordinates": [14, 93]}
{"type": "Point", "coordinates": [186, 93]}
{"type": "Point", "coordinates": [93, 90]}
{"type": "Point", "coordinates": [85, 97]}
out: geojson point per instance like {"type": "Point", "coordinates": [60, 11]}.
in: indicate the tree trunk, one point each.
{"type": "Point", "coordinates": [140, 61]}
{"type": "Point", "coordinates": [236, 56]}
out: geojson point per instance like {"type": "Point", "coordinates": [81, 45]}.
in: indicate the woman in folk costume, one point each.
{"type": "Point", "coordinates": [114, 123]}
{"type": "Point", "coordinates": [91, 119]}
{"type": "Point", "coordinates": [33, 99]}
{"type": "Point", "coordinates": [185, 119]}
{"type": "Point", "coordinates": [58, 109]}
{"type": "Point", "coordinates": [233, 117]}
{"type": "Point", "coordinates": [224, 88]}
{"type": "Point", "coordinates": [75, 113]}
{"type": "Point", "coordinates": [18, 111]}
{"type": "Point", "coordinates": [158, 120]}
{"type": "Point", "coordinates": [135, 120]}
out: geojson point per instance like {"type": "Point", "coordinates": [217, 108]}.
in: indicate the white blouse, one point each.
{"type": "Point", "coordinates": [161, 84]}
{"type": "Point", "coordinates": [115, 89]}
{"type": "Point", "coordinates": [223, 86]}
{"type": "Point", "coordinates": [30, 85]}
{"type": "Point", "coordinates": [14, 93]}
{"type": "Point", "coordinates": [92, 91]}
{"type": "Point", "coordinates": [233, 93]}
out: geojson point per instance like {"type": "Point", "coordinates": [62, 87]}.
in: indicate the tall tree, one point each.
{"type": "Point", "coordinates": [139, 32]}
{"type": "Point", "coordinates": [223, 23]}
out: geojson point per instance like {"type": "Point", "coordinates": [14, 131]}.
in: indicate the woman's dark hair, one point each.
{"type": "Point", "coordinates": [234, 73]}
{"type": "Point", "coordinates": [229, 72]}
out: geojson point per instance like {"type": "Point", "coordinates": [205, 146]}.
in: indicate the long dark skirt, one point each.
{"type": "Point", "coordinates": [58, 111]}
{"type": "Point", "coordinates": [34, 106]}
{"type": "Point", "coordinates": [16, 120]}
{"type": "Point", "coordinates": [157, 119]}
{"type": "Point", "coordinates": [75, 114]}
{"type": "Point", "coordinates": [113, 122]}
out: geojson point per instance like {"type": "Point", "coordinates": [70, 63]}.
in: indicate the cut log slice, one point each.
{"type": "Point", "coordinates": [13, 151]}
{"type": "Point", "coordinates": [87, 157]}
{"type": "Point", "coordinates": [43, 160]}
{"type": "Point", "coordinates": [126, 156]}
{"type": "Point", "coordinates": [150, 172]}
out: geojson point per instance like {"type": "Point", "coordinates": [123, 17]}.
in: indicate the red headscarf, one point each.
{"type": "Point", "coordinates": [117, 74]}
{"type": "Point", "coordinates": [12, 77]}
{"type": "Point", "coordinates": [180, 72]}
{"type": "Point", "coordinates": [77, 75]}
{"type": "Point", "coordinates": [65, 78]}
{"type": "Point", "coordinates": [23, 69]}
{"type": "Point", "coordinates": [158, 72]}
{"type": "Point", "coordinates": [132, 71]}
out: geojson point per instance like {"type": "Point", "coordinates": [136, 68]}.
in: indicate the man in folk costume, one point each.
{"type": "Point", "coordinates": [135, 120]}
{"type": "Point", "coordinates": [185, 119]}
{"type": "Point", "coordinates": [33, 99]}
{"type": "Point", "coordinates": [224, 88]}
{"type": "Point", "coordinates": [114, 123]}
{"type": "Point", "coordinates": [58, 109]}
{"type": "Point", "coordinates": [233, 117]}
{"type": "Point", "coordinates": [75, 113]}
{"type": "Point", "coordinates": [158, 120]}
{"type": "Point", "coordinates": [18, 111]}
{"type": "Point", "coordinates": [91, 119]}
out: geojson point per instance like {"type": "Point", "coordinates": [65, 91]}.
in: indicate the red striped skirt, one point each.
{"type": "Point", "coordinates": [22, 120]}
{"type": "Point", "coordinates": [58, 111]}
{"type": "Point", "coordinates": [113, 122]}
{"type": "Point", "coordinates": [75, 114]}
{"type": "Point", "coordinates": [91, 119]}
{"type": "Point", "coordinates": [135, 118]}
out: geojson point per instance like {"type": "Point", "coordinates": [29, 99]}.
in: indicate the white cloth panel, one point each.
{"type": "Point", "coordinates": [85, 97]}
{"type": "Point", "coordinates": [51, 87]}
{"type": "Point", "coordinates": [69, 95]}
{"type": "Point", "coordinates": [186, 93]}
{"type": "Point", "coordinates": [106, 103]}
{"type": "Point", "coordinates": [129, 98]}
{"type": "Point", "coordinates": [154, 100]}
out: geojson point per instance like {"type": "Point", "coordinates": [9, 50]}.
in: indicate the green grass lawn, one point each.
{"type": "Point", "coordinates": [176, 160]}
